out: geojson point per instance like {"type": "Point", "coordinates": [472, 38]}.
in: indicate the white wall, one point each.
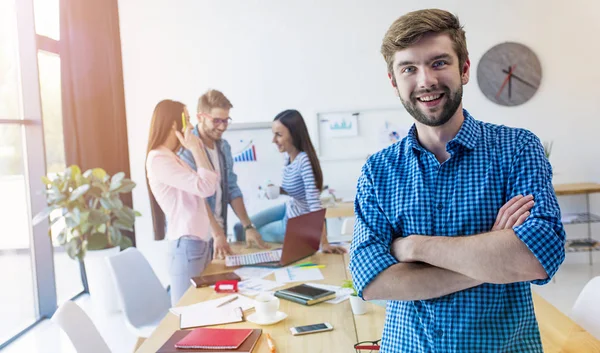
{"type": "Point", "coordinates": [269, 55]}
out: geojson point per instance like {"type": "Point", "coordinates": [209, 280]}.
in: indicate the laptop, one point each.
{"type": "Point", "coordinates": [302, 239]}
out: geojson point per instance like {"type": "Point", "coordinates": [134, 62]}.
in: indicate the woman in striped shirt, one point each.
{"type": "Point", "coordinates": [302, 181]}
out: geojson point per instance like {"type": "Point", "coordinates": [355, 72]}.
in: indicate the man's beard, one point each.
{"type": "Point", "coordinates": [450, 106]}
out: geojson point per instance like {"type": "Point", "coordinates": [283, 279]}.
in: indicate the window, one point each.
{"type": "Point", "coordinates": [30, 87]}
{"type": "Point", "coordinates": [47, 18]}
{"type": "Point", "coordinates": [17, 304]}
{"type": "Point", "coordinates": [67, 271]}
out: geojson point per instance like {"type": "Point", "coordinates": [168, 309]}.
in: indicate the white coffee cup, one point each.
{"type": "Point", "coordinates": [266, 305]}
{"type": "Point", "coordinates": [272, 191]}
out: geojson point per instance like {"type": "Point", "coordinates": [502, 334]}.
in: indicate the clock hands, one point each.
{"type": "Point", "coordinates": [520, 79]}
{"type": "Point", "coordinates": [506, 80]}
{"type": "Point", "coordinates": [509, 82]}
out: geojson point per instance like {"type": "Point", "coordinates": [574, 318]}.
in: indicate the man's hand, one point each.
{"type": "Point", "coordinates": [254, 239]}
{"type": "Point", "coordinates": [332, 249]}
{"type": "Point", "coordinates": [221, 247]}
{"type": "Point", "coordinates": [402, 248]}
{"type": "Point", "coordinates": [514, 212]}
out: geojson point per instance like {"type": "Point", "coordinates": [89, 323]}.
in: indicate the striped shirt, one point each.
{"type": "Point", "coordinates": [404, 190]}
{"type": "Point", "coordinates": [299, 183]}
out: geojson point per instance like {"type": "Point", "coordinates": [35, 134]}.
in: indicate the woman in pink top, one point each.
{"type": "Point", "coordinates": [177, 194]}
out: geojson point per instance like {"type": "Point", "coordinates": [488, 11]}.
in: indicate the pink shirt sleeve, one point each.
{"type": "Point", "coordinates": [167, 169]}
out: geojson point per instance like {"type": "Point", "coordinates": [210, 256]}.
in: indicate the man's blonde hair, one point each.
{"type": "Point", "coordinates": [410, 28]}
{"type": "Point", "coordinates": [213, 99]}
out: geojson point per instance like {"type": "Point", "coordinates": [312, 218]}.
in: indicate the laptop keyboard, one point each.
{"type": "Point", "coordinates": [254, 258]}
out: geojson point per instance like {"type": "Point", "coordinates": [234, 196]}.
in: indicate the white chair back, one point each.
{"type": "Point", "coordinates": [79, 327]}
{"type": "Point", "coordinates": [348, 226]}
{"type": "Point", "coordinates": [144, 300]}
{"type": "Point", "coordinates": [586, 310]}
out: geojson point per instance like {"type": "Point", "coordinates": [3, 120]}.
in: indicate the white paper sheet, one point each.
{"type": "Point", "coordinates": [254, 286]}
{"type": "Point", "coordinates": [298, 274]}
{"type": "Point", "coordinates": [242, 301]}
{"type": "Point", "coordinates": [341, 294]}
{"type": "Point", "coordinates": [253, 272]}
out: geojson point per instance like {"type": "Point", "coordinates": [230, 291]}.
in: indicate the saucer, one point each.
{"type": "Point", "coordinates": [254, 318]}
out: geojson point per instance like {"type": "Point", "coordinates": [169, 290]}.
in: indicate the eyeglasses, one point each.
{"type": "Point", "coordinates": [218, 121]}
{"type": "Point", "coordinates": [370, 346]}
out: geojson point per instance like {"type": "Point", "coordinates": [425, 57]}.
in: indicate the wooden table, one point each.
{"type": "Point", "coordinates": [576, 188]}
{"type": "Point", "coordinates": [559, 333]}
{"type": "Point", "coordinates": [340, 210]}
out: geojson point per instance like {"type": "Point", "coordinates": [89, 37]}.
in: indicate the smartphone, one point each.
{"type": "Point", "coordinates": [304, 330]}
{"type": "Point", "coordinates": [183, 122]}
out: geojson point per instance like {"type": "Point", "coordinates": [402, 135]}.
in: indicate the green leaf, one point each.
{"type": "Point", "coordinates": [87, 173]}
{"type": "Point", "coordinates": [99, 173]}
{"type": "Point", "coordinates": [61, 237]}
{"type": "Point", "coordinates": [125, 243]}
{"type": "Point", "coordinates": [95, 191]}
{"type": "Point", "coordinates": [85, 228]}
{"type": "Point", "coordinates": [75, 171]}
{"type": "Point", "coordinates": [70, 222]}
{"type": "Point", "coordinates": [123, 225]}
{"type": "Point", "coordinates": [73, 248]}
{"type": "Point", "coordinates": [98, 217]}
{"type": "Point", "coordinates": [124, 217]}
{"type": "Point", "coordinates": [46, 180]}
{"type": "Point", "coordinates": [126, 186]}
{"type": "Point", "coordinates": [102, 228]}
{"type": "Point", "coordinates": [43, 215]}
{"type": "Point", "coordinates": [115, 182]}
{"type": "Point", "coordinates": [137, 214]}
{"type": "Point", "coordinates": [106, 203]}
{"type": "Point", "coordinates": [80, 191]}
{"type": "Point", "coordinates": [115, 235]}
{"type": "Point", "coordinates": [97, 242]}
{"type": "Point", "coordinates": [117, 203]}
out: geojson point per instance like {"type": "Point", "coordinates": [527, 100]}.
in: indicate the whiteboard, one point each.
{"type": "Point", "coordinates": [355, 134]}
{"type": "Point", "coordinates": [267, 163]}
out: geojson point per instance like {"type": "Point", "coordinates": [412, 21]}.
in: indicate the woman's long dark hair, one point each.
{"type": "Point", "coordinates": [165, 113]}
{"type": "Point", "coordinates": [294, 122]}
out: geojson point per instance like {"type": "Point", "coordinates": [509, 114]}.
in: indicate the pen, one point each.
{"type": "Point", "coordinates": [227, 302]}
{"type": "Point", "coordinates": [305, 264]}
{"type": "Point", "coordinates": [309, 267]}
{"type": "Point", "coordinates": [271, 344]}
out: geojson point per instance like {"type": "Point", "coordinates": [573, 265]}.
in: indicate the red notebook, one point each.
{"type": "Point", "coordinates": [214, 338]}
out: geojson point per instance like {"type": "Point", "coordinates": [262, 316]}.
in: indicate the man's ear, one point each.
{"type": "Point", "coordinates": [466, 72]}
{"type": "Point", "coordinates": [392, 80]}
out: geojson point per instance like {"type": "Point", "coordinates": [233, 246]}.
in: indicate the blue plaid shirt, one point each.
{"type": "Point", "coordinates": [404, 190]}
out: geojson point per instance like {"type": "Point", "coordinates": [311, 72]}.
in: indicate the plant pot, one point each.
{"type": "Point", "coordinates": [359, 306]}
{"type": "Point", "coordinates": [103, 292]}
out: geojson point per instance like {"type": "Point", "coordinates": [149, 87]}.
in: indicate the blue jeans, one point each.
{"type": "Point", "coordinates": [189, 256]}
{"type": "Point", "coordinates": [270, 223]}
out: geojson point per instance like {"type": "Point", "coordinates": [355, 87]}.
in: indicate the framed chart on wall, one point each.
{"type": "Point", "coordinates": [353, 135]}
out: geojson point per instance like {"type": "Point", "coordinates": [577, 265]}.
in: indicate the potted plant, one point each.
{"type": "Point", "coordinates": [358, 305]}
{"type": "Point", "coordinates": [87, 218]}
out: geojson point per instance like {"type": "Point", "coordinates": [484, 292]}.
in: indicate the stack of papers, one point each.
{"type": "Point", "coordinates": [208, 313]}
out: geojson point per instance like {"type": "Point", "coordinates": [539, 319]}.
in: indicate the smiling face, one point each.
{"type": "Point", "coordinates": [428, 79]}
{"type": "Point", "coordinates": [214, 123]}
{"type": "Point", "coordinates": [282, 138]}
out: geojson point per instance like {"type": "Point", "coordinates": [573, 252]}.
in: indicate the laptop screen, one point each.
{"type": "Point", "coordinates": [302, 236]}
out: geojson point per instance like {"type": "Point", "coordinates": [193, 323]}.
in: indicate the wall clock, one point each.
{"type": "Point", "coordinates": [509, 74]}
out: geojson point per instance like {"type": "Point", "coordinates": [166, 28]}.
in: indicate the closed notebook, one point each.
{"type": "Point", "coordinates": [204, 281]}
{"type": "Point", "coordinates": [214, 338]}
{"type": "Point", "coordinates": [246, 347]}
{"type": "Point", "coordinates": [306, 292]}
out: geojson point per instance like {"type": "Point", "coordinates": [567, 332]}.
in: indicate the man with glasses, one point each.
{"type": "Point", "coordinates": [213, 120]}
